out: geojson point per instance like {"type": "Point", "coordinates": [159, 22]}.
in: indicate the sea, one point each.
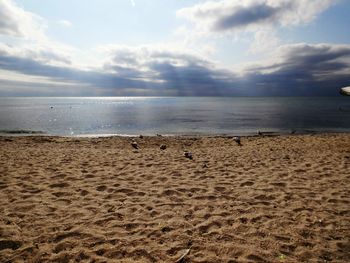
{"type": "Point", "coordinates": [130, 116]}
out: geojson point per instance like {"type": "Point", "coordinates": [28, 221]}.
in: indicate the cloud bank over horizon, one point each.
{"type": "Point", "coordinates": [33, 63]}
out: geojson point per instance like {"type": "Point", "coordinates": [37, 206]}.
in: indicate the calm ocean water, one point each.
{"type": "Point", "coordinates": [172, 116]}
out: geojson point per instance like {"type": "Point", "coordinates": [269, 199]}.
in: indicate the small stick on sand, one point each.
{"type": "Point", "coordinates": [172, 204]}
{"type": "Point", "coordinates": [182, 258]}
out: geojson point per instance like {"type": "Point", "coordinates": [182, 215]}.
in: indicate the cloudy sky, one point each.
{"type": "Point", "coordinates": [174, 47]}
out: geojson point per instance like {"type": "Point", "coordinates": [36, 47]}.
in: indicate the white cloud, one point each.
{"type": "Point", "coordinates": [43, 54]}
{"type": "Point", "coordinates": [264, 41]}
{"type": "Point", "coordinates": [26, 33]}
{"type": "Point", "coordinates": [16, 22]}
{"type": "Point", "coordinates": [64, 23]}
{"type": "Point", "coordinates": [154, 52]}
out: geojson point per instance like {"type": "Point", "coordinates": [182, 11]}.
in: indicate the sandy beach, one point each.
{"type": "Point", "coordinates": [272, 199]}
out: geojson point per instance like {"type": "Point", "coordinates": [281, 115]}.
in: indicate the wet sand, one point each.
{"type": "Point", "coordinates": [273, 199]}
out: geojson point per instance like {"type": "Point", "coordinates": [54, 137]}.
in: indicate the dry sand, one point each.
{"type": "Point", "coordinates": [273, 199]}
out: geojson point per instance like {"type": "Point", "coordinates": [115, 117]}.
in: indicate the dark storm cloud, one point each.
{"type": "Point", "coordinates": [304, 70]}
{"type": "Point", "coordinates": [244, 16]}
{"type": "Point", "coordinates": [95, 79]}
{"type": "Point", "coordinates": [194, 80]}
{"type": "Point", "coordinates": [163, 78]}
{"type": "Point", "coordinates": [227, 15]}
{"type": "Point", "coordinates": [177, 73]}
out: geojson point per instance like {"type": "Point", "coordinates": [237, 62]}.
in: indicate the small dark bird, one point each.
{"type": "Point", "coordinates": [188, 155]}
{"type": "Point", "coordinates": [260, 133]}
{"type": "Point", "coordinates": [237, 139]}
{"type": "Point", "coordinates": [163, 147]}
{"type": "Point", "coordinates": [134, 145]}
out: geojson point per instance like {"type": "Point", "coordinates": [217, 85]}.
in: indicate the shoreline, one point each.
{"type": "Point", "coordinates": [188, 135]}
{"type": "Point", "coordinates": [270, 199]}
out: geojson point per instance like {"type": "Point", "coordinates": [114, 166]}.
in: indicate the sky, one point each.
{"type": "Point", "coordinates": [174, 47]}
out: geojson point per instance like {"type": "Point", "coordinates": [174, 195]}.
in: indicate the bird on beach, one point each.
{"type": "Point", "coordinates": [188, 155]}
{"type": "Point", "coordinates": [237, 139]}
{"type": "Point", "coordinates": [134, 145]}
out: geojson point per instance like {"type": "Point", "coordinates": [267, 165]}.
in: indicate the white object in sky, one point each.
{"type": "Point", "coordinates": [345, 91]}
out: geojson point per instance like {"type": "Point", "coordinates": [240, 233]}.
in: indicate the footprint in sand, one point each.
{"type": "Point", "coordinates": [84, 192]}
{"type": "Point", "coordinates": [101, 188]}
{"type": "Point", "coordinates": [58, 185]}
{"type": "Point", "coordinates": [278, 184]}
{"type": "Point", "coordinates": [10, 244]}
{"type": "Point", "coordinates": [220, 189]}
{"type": "Point", "coordinates": [248, 183]}
{"type": "Point", "coordinates": [255, 258]}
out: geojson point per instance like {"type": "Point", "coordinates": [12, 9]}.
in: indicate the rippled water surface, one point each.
{"type": "Point", "coordinates": [175, 115]}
